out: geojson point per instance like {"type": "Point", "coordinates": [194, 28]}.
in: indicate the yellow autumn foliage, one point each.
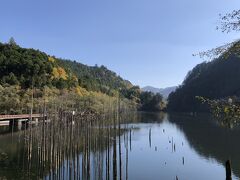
{"type": "Point", "coordinates": [51, 59]}
{"type": "Point", "coordinates": [62, 73]}
{"type": "Point", "coordinates": [59, 73]}
{"type": "Point", "coordinates": [55, 73]}
{"type": "Point", "coordinates": [81, 91]}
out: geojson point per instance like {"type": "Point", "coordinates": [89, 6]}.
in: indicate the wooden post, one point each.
{"type": "Point", "coordinates": [13, 124]}
{"type": "Point", "coordinates": [228, 170]}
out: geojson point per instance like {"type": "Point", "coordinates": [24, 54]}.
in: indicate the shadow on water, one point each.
{"type": "Point", "coordinates": [210, 139]}
{"type": "Point", "coordinates": [150, 117]}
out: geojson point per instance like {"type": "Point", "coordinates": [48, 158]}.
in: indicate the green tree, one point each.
{"type": "Point", "coordinates": [12, 42]}
{"type": "Point", "coordinates": [151, 101]}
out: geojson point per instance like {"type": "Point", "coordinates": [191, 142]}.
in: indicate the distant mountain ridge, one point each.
{"type": "Point", "coordinates": [163, 91]}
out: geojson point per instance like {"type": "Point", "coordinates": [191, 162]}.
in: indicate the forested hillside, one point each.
{"type": "Point", "coordinates": [217, 79]}
{"type": "Point", "coordinates": [29, 67]}
{"type": "Point", "coordinates": [97, 78]}
{"type": "Point", "coordinates": [32, 68]}
{"type": "Point", "coordinates": [29, 73]}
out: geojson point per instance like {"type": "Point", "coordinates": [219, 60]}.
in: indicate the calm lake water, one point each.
{"type": "Point", "coordinates": [150, 146]}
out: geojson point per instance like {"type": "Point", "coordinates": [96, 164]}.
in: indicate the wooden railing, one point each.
{"type": "Point", "coordinates": [20, 116]}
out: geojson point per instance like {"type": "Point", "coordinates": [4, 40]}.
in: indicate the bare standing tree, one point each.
{"type": "Point", "coordinates": [229, 22]}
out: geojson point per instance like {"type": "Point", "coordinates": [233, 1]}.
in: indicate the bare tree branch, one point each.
{"type": "Point", "coordinates": [229, 22]}
{"type": "Point", "coordinates": [225, 50]}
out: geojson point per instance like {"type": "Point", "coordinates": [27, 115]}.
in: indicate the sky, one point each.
{"type": "Point", "coordinates": [149, 42]}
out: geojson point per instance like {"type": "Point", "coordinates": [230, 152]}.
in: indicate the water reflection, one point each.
{"type": "Point", "coordinates": [210, 139]}
{"type": "Point", "coordinates": [132, 146]}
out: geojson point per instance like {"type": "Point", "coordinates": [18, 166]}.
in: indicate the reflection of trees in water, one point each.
{"type": "Point", "coordinates": [210, 139]}
{"type": "Point", "coordinates": [9, 161]}
{"type": "Point", "coordinates": [69, 148]}
{"type": "Point", "coordinates": [148, 117]}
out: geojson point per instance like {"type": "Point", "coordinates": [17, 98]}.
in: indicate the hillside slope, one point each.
{"type": "Point", "coordinates": [96, 78]}
{"type": "Point", "coordinates": [217, 79]}
{"type": "Point", "coordinates": [28, 75]}
{"type": "Point", "coordinates": [151, 89]}
{"type": "Point", "coordinates": [33, 68]}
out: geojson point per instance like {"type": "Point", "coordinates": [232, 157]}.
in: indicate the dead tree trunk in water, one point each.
{"type": "Point", "coordinates": [228, 170]}
{"type": "Point", "coordinates": [119, 138]}
{"type": "Point", "coordinates": [114, 149]}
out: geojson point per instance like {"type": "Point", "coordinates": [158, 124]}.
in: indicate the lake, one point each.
{"type": "Point", "coordinates": [144, 146]}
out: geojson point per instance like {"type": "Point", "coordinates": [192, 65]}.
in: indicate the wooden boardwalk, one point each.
{"type": "Point", "coordinates": [19, 116]}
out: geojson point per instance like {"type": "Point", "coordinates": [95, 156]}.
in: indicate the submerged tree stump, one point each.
{"type": "Point", "coordinates": [228, 170]}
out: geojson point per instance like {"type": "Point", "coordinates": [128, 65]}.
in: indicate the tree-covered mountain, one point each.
{"type": "Point", "coordinates": [163, 91]}
{"type": "Point", "coordinates": [33, 68]}
{"type": "Point", "coordinates": [27, 73]}
{"type": "Point", "coordinates": [98, 78]}
{"type": "Point", "coordinates": [152, 102]}
{"type": "Point", "coordinates": [217, 79]}
{"type": "Point", "coordinates": [151, 89]}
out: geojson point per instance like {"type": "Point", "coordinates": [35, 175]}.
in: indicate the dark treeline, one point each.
{"type": "Point", "coordinates": [151, 102]}
{"type": "Point", "coordinates": [217, 79]}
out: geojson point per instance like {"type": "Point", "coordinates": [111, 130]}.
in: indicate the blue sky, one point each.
{"type": "Point", "coordinates": [149, 42]}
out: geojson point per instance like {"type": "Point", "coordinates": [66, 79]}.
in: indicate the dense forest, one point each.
{"type": "Point", "coordinates": [29, 67]}
{"type": "Point", "coordinates": [216, 79]}
{"type": "Point", "coordinates": [29, 73]}
{"type": "Point", "coordinates": [152, 102]}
